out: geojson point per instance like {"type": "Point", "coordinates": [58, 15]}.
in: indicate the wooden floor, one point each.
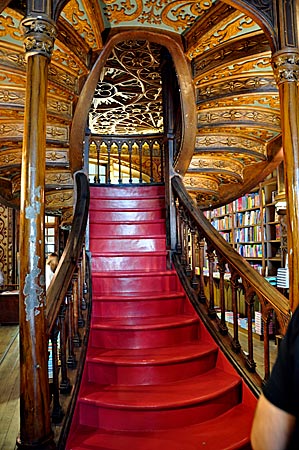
{"type": "Point", "coordinates": [9, 386]}
{"type": "Point", "coordinates": [9, 376]}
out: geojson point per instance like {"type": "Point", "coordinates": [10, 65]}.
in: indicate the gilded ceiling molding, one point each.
{"type": "Point", "coordinates": [201, 182]}
{"type": "Point", "coordinates": [10, 56]}
{"type": "Point", "coordinates": [59, 179]}
{"type": "Point", "coordinates": [270, 100]}
{"type": "Point", "coordinates": [57, 157]}
{"type": "Point", "coordinates": [216, 141]}
{"type": "Point", "coordinates": [39, 35]}
{"type": "Point", "coordinates": [245, 48]}
{"type": "Point", "coordinates": [73, 13]}
{"type": "Point", "coordinates": [227, 29]}
{"type": "Point", "coordinates": [236, 85]}
{"type": "Point", "coordinates": [286, 66]}
{"type": "Point", "coordinates": [176, 16]}
{"type": "Point", "coordinates": [59, 199]}
{"type": "Point", "coordinates": [222, 164]}
{"type": "Point", "coordinates": [70, 39]}
{"type": "Point", "coordinates": [258, 65]}
{"type": "Point", "coordinates": [10, 157]}
{"type": "Point", "coordinates": [55, 106]}
{"type": "Point", "coordinates": [247, 116]}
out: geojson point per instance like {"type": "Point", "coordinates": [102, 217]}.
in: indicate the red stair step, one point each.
{"type": "Point", "coordinates": [148, 261]}
{"type": "Point", "coordinates": [128, 203]}
{"type": "Point", "coordinates": [229, 431]}
{"type": "Point", "coordinates": [150, 366]}
{"type": "Point", "coordinates": [140, 306]}
{"type": "Point", "coordinates": [144, 228]}
{"type": "Point", "coordinates": [99, 216]}
{"type": "Point", "coordinates": [125, 282]}
{"type": "Point", "coordinates": [156, 407]}
{"type": "Point", "coordinates": [144, 191]}
{"type": "Point", "coordinates": [118, 244]}
{"type": "Point", "coordinates": [144, 332]}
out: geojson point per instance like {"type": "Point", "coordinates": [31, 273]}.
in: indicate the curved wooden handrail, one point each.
{"type": "Point", "coordinates": [269, 293]}
{"type": "Point", "coordinates": [68, 261]}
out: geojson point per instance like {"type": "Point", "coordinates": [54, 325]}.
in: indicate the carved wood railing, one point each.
{"type": "Point", "coordinates": [197, 238]}
{"type": "Point", "coordinates": [135, 160]}
{"type": "Point", "coordinates": [68, 315]}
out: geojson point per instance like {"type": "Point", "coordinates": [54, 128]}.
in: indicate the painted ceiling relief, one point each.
{"type": "Point", "coordinates": [172, 15]}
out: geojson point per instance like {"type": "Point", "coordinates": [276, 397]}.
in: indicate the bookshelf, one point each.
{"type": "Point", "coordinates": [252, 226]}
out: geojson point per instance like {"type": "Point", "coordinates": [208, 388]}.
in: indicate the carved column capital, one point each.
{"type": "Point", "coordinates": [286, 65]}
{"type": "Point", "coordinates": [39, 35]}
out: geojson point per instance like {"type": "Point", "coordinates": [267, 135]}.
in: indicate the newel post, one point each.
{"type": "Point", "coordinates": [35, 426]}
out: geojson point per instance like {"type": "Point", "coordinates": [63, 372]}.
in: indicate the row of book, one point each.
{"type": "Point", "coordinates": [247, 201]}
{"type": "Point", "coordinates": [248, 218]}
{"type": "Point", "coordinates": [250, 234]}
{"type": "Point", "coordinates": [250, 251]}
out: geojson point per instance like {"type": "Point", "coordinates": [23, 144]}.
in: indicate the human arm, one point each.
{"type": "Point", "coordinates": [272, 427]}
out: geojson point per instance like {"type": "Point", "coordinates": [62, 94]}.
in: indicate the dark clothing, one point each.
{"type": "Point", "coordinates": [282, 389]}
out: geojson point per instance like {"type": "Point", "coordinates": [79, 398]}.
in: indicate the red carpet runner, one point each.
{"type": "Point", "coordinates": [153, 379]}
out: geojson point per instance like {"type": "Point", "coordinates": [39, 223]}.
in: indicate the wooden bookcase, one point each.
{"type": "Point", "coordinates": [252, 226]}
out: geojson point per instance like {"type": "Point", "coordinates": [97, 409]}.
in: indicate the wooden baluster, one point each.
{"type": "Point", "coordinates": [194, 280]}
{"type": "Point", "coordinates": [76, 335]}
{"type": "Point", "coordinates": [83, 306]}
{"type": "Point", "coordinates": [201, 293]}
{"type": "Point", "coordinates": [109, 162]}
{"type": "Point", "coordinates": [65, 385]}
{"type": "Point", "coordinates": [162, 160]}
{"type": "Point", "coordinates": [186, 247]}
{"type": "Point", "coordinates": [130, 161]}
{"type": "Point", "coordinates": [140, 149]}
{"type": "Point", "coordinates": [249, 298]}
{"type": "Point", "coordinates": [119, 148]}
{"type": "Point", "coordinates": [178, 228]}
{"type": "Point", "coordinates": [266, 320]}
{"type": "Point", "coordinates": [71, 360]}
{"type": "Point", "coordinates": [222, 323]}
{"type": "Point", "coordinates": [57, 412]}
{"type": "Point", "coordinates": [234, 284]}
{"type": "Point", "coordinates": [211, 260]}
{"type": "Point", "coordinates": [98, 180]}
{"type": "Point", "coordinates": [151, 161]}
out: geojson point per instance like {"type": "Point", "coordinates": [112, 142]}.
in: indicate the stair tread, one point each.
{"type": "Point", "coordinates": [159, 355]}
{"type": "Point", "coordinates": [140, 323]}
{"type": "Point", "coordinates": [182, 393]}
{"type": "Point", "coordinates": [135, 252]}
{"type": "Point", "coordinates": [229, 431]}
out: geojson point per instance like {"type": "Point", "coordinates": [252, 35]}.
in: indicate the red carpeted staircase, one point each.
{"type": "Point", "coordinates": [154, 379]}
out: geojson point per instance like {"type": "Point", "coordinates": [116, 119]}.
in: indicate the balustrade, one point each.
{"type": "Point", "coordinates": [200, 245]}
{"type": "Point", "coordinates": [117, 160]}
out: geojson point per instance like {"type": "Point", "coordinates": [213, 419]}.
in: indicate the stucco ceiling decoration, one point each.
{"type": "Point", "coordinates": [166, 14]}
{"type": "Point", "coordinates": [128, 97]}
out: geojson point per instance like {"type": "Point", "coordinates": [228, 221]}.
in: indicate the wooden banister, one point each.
{"type": "Point", "coordinates": [192, 221]}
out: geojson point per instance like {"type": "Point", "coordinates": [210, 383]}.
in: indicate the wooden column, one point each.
{"type": "Point", "coordinates": [286, 69]}
{"type": "Point", "coordinates": [35, 426]}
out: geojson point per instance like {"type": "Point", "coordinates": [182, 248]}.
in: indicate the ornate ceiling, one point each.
{"type": "Point", "coordinates": [237, 103]}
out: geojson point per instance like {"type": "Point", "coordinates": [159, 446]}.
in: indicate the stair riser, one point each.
{"type": "Point", "coordinates": [135, 262]}
{"type": "Point", "coordinates": [145, 419]}
{"type": "Point", "coordinates": [141, 244]}
{"type": "Point", "coordinates": [145, 338]}
{"type": "Point", "coordinates": [127, 229]}
{"type": "Point", "coordinates": [122, 192]}
{"type": "Point", "coordinates": [124, 284]}
{"type": "Point", "coordinates": [125, 216]}
{"type": "Point", "coordinates": [149, 374]}
{"type": "Point", "coordinates": [142, 204]}
{"type": "Point", "coordinates": [140, 308]}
